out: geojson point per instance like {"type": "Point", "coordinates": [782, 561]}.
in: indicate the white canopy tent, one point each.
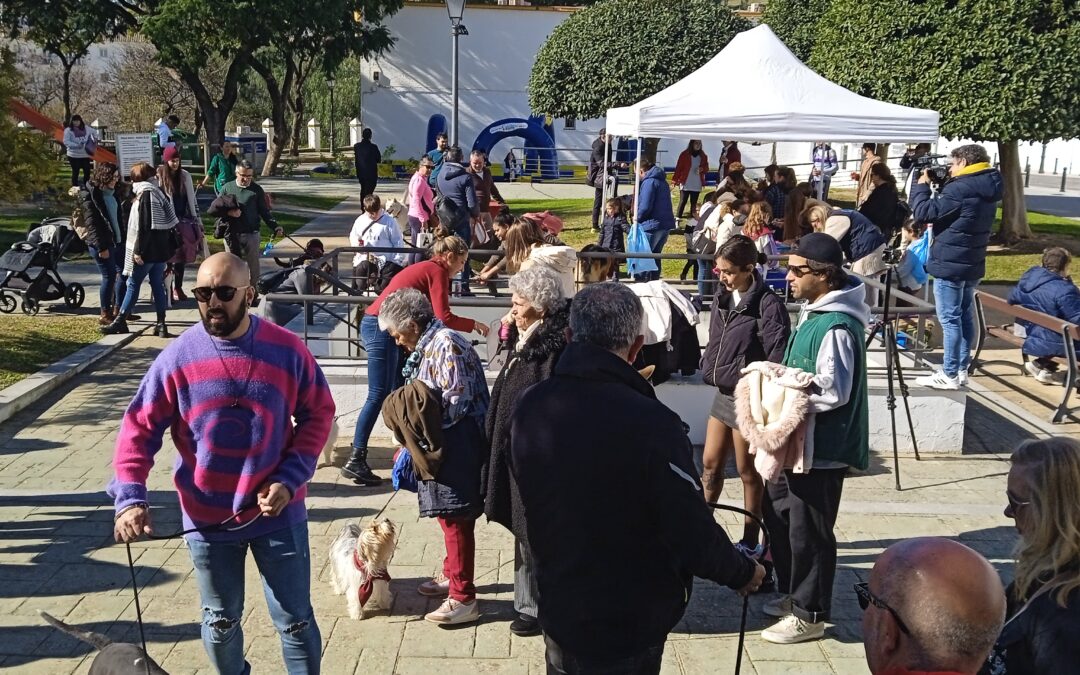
{"type": "Point", "coordinates": [786, 102]}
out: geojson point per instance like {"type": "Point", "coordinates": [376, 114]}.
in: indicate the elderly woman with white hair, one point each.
{"type": "Point", "coordinates": [445, 361]}
{"type": "Point", "coordinates": [539, 318]}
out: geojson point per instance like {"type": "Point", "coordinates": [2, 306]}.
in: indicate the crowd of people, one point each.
{"type": "Point", "coordinates": [930, 605]}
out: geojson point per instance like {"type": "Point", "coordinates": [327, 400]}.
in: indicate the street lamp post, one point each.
{"type": "Point", "coordinates": [455, 8]}
{"type": "Point", "coordinates": [333, 141]}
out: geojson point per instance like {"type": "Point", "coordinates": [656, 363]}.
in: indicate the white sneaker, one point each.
{"type": "Point", "coordinates": [791, 630]}
{"type": "Point", "coordinates": [939, 380]}
{"type": "Point", "coordinates": [436, 587]}
{"type": "Point", "coordinates": [1040, 374]}
{"type": "Point", "coordinates": [778, 608]}
{"type": "Point", "coordinates": [962, 377]}
{"type": "Point", "coordinates": [452, 612]}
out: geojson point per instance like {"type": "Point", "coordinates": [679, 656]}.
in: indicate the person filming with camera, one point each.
{"type": "Point", "coordinates": [961, 212]}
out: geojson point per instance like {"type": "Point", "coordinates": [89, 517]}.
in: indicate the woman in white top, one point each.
{"type": "Point", "coordinates": [79, 143]}
{"type": "Point", "coordinates": [376, 227]}
{"type": "Point", "coordinates": [689, 175]}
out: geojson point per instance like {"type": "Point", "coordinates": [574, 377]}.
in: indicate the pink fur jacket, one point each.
{"type": "Point", "coordinates": [771, 404]}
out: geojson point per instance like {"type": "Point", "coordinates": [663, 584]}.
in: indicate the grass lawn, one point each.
{"type": "Point", "coordinates": [29, 343]}
{"type": "Point", "coordinates": [322, 202]}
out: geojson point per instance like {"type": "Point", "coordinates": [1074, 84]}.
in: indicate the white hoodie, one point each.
{"type": "Point", "coordinates": [835, 365]}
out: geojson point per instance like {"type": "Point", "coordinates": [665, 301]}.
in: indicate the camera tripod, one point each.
{"type": "Point", "coordinates": [892, 363]}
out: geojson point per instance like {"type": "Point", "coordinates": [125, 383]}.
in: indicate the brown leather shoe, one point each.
{"type": "Point", "coordinates": [106, 318]}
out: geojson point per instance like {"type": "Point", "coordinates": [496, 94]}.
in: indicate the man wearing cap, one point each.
{"type": "Point", "coordinates": [801, 509]}
{"type": "Point", "coordinates": [595, 175]}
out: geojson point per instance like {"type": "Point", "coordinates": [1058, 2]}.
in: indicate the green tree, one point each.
{"type": "Point", "coordinates": [617, 52]}
{"type": "Point", "coordinates": [795, 22]}
{"type": "Point", "coordinates": [1001, 72]}
{"type": "Point", "coordinates": [26, 160]}
{"type": "Point", "coordinates": [314, 36]}
{"type": "Point", "coordinates": [63, 28]}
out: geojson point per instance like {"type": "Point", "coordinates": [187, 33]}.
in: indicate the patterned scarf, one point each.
{"type": "Point", "coordinates": [412, 364]}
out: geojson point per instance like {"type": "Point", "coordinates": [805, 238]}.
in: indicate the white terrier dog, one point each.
{"type": "Point", "coordinates": [358, 566]}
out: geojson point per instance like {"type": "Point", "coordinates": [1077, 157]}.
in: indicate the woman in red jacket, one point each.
{"type": "Point", "coordinates": [689, 175]}
{"type": "Point", "coordinates": [432, 278]}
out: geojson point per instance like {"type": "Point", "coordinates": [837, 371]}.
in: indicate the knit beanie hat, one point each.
{"type": "Point", "coordinates": [170, 154]}
{"type": "Point", "coordinates": [820, 247]}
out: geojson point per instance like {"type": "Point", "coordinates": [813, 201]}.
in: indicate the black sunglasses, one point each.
{"type": "Point", "coordinates": [866, 598]}
{"type": "Point", "coordinates": [800, 270]}
{"type": "Point", "coordinates": [1015, 503]}
{"type": "Point", "coordinates": [223, 293]}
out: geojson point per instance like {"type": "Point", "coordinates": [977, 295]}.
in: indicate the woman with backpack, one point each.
{"type": "Point", "coordinates": [151, 241]}
{"type": "Point", "coordinates": [749, 323]}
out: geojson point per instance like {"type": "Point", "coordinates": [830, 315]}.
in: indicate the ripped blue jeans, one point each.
{"type": "Point", "coordinates": [284, 564]}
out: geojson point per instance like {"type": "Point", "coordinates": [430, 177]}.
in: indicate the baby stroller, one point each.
{"type": "Point", "coordinates": [29, 269]}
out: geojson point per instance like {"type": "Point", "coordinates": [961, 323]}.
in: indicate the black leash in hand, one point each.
{"type": "Point", "coordinates": [746, 598]}
{"type": "Point", "coordinates": [205, 529]}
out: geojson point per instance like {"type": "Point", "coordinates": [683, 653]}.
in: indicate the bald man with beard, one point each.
{"type": "Point", "coordinates": [249, 411]}
{"type": "Point", "coordinates": [932, 606]}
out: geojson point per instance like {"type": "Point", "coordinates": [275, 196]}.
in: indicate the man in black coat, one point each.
{"type": "Point", "coordinates": [594, 176]}
{"type": "Point", "coordinates": [614, 513]}
{"type": "Point", "coordinates": [367, 159]}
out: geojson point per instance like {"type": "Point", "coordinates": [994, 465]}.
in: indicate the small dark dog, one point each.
{"type": "Point", "coordinates": [114, 658]}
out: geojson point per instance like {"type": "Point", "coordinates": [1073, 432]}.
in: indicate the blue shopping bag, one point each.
{"type": "Point", "coordinates": [638, 242]}
{"type": "Point", "coordinates": [919, 250]}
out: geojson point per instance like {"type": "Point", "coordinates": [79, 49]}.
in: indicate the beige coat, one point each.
{"type": "Point", "coordinates": [865, 187]}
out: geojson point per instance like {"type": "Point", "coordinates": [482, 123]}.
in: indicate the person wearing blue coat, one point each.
{"type": "Point", "coordinates": [654, 213]}
{"type": "Point", "coordinates": [962, 215]}
{"type": "Point", "coordinates": [1048, 289]}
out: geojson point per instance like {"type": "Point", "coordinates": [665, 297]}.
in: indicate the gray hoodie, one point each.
{"type": "Point", "coordinates": [835, 364]}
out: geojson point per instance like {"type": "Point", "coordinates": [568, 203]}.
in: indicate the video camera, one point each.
{"type": "Point", "coordinates": [931, 164]}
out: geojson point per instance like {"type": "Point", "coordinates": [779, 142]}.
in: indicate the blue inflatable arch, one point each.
{"type": "Point", "coordinates": [537, 139]}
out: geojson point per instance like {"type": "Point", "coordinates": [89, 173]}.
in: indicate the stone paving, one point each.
{"type": "Point", "coordinates": [56, 554]}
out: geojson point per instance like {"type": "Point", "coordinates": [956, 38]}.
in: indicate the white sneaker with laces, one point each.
{"type": "Point", "coordinates": [962, 377]}
{"type": "Point", "coordinates": [939, 380]}
{"type": "Point", "coordinates": [791, 630]}
{"type": "Point", "coordinates": [453, 612]}
{"type": "Point", "coordinates": [1040, 374]}
{"type": "Point", "coordinates": [778, 608]}
{"type": "Point", "coordinates": [436, 587]}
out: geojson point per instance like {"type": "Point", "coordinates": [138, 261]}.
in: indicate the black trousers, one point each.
{"type": "Point", "coordinates": [683, 196]}
{"type": "Point", "coordinates": [367, 187]}
{"type": "Point", "coordinates": [80, 165]}
{"type": "Point", "coordinates": [642, 663]}
{"type": "Point", "coordinates": [800, 513]}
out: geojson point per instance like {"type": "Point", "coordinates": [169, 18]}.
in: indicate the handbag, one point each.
{"type": "Point", "coordinates": [638, 242]}
{"type": "Point", "coordinates": [403, 475]}
{"type": "Point", "coordinates": [479, 233]}
{"type": "Point", "coordinates": [91, 145]}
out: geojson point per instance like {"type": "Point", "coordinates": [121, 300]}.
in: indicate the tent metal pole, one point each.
{"type": "Point", "coordinates": [603, 184]}
{"type": "Point", "coordinates": [637, 177]}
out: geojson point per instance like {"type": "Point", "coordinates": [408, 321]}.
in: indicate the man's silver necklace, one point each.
{"type": "Point", "coordinates": [237, 390]}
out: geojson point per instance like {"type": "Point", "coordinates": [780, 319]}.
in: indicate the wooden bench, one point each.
{"type": "Point", "coordinates": [1069, 333]}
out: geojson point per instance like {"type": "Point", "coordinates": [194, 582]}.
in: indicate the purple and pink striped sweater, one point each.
{"type": "Point", "coordinates": [226, 454]}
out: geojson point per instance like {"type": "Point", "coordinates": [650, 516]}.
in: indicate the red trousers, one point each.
{"type": "Point", "coordinates": [460, 561]}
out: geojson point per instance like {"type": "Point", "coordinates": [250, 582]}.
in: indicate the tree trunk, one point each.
{"type": "Point", "coordinates": [299, 108]}
{"type": "Point", "coordinates": [214, 120]}
{"type": "Point", "coordinates": [216, 113]}
{"type": "Point", "coordinates": [279, 93]}
{"type": "Point", "coordinates": [1014, 222]}
{"type": "Point", "coordinates": [67, 92]}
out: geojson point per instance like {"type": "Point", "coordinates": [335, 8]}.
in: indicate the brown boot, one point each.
{"type": "Point", "coordinates": [106, 318]}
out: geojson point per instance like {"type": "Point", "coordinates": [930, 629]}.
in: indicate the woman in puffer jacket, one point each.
{"type": "Point", "coordinates": [151, 241]}
{"type": "Point", "coordinates": [749, 323]}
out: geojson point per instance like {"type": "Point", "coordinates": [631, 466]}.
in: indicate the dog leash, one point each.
{"type": "Point", "coordinates": [216, 527]}
{"type": "Point", "coordinates": [746, 598]}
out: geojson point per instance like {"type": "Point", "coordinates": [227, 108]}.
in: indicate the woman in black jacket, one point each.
{"type": "Point", "coordinates": [537, 337]}
{"type": "Point", "coordinates": [101, 213]}
{"type": "Point", "coordinates": [882, 207]}
{"type": "Point", "coordinates": [1042, 627]}
{"type": "Point", "coordinates": [749, 323]}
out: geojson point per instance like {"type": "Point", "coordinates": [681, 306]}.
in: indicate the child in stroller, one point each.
{"type": "Point", "coordinates": [30, 269]}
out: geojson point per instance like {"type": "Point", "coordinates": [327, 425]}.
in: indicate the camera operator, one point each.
{"type": "Point", "coordinates": [910, 160]}
{"type": "Point", "coordinates": [961, 214]}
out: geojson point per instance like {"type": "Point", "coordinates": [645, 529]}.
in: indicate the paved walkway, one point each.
{"type": "Point", "coordinates": [57, 555]}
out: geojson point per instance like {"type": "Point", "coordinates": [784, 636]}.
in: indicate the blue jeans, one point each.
{"type": "Point", "coordinates": [384, 376]}
{"type": "Point", "coordinates": [284, 564]}
{"type": "Point", "coordinates": [706, 280]}
{"type": "Point", "coordinates": [824, 188]}
{"type": "Point", "coordinates": [156, 272]}
{"type": "Point", "coordinates": [464, 230]}
{"type": "Point", "coordinates": [108, 268]}
{"type": "Point", "coordinates": [955, 304]}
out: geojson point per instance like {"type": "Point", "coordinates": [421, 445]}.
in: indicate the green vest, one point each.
{"type": "Point", "coordinates": [843, 434]}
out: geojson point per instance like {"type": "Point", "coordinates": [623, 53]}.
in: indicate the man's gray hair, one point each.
{"type": "Point", "coordinates": [405, 306]}
{"type": "Point", "coordinates": [540, 286]}
{"type": "Point", "coordinates": [607, 315]}
{"type": "Point", "coordinates": [971, 153]}
{"type": "Point", "coordinates": [478, 153]}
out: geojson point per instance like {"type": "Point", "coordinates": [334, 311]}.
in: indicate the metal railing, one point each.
{"type": "Point", "coordinates": [338, 289]}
